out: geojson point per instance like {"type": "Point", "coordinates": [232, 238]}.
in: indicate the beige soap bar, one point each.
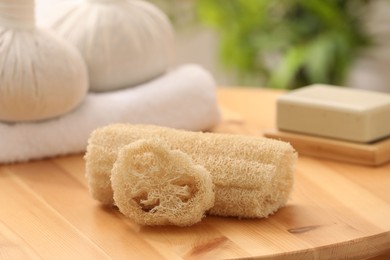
{"type": "Point", "coordinates": [335, 112]}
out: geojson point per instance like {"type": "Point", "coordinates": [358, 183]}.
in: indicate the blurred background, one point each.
{"type": "Point", "coordinates": [283, 43]}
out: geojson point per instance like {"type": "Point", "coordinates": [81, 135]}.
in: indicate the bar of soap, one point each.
{"type": "Point", "coordinates": [336, 112]}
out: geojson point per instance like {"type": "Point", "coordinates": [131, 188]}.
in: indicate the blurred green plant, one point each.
{"type": "Point", "coordinates": [289, 43]}
{"type": "Point", "coordinates": [281, 43]}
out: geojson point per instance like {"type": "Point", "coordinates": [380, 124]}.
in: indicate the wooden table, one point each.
{"type": "Point", "coordinates": [337, 210]}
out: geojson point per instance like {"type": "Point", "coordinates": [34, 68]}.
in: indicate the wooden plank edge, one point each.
{"type": "Point", "coordinates": [363, 248]}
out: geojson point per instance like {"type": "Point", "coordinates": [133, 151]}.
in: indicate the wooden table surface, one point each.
{"type": "Point", "coordinates": [337, 210]}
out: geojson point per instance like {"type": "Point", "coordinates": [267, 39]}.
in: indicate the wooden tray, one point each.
{"type": "Point", "coordinates": [372, 154]}
{"type": "Point", "coordinates": [336, 210]}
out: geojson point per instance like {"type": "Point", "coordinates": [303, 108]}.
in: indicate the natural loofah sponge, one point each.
{"type": "Point", "coordinates": [154, 185]}
{"type": "Point", "coordinates": [253, 177]}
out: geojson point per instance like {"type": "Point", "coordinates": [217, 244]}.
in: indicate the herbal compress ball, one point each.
{"type": "Point", "coordinates": [41, 76]}
{"type": "Point", "coordinates": [124, 42]}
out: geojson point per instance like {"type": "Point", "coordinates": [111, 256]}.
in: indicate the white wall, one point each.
{"type": "Point", "coordinates": [372, 70]}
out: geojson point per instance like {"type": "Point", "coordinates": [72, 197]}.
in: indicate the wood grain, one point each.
{"type": "Point", "coordinates": [337, 210]}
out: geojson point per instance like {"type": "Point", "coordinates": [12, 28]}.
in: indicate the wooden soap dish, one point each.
{"type": "Point", "coordinates": [372, 154]}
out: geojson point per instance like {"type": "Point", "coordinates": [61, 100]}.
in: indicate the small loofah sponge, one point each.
{"type": "Point", "coordinates": [154, 185]}
{"type": "Point", "coordinates": [253, 177]}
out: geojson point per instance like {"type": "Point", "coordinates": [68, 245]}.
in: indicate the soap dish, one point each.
{"type": "Point", "coordinates": [369, 154]}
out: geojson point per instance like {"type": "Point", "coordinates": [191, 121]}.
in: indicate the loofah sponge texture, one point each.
{"type": "Point", "coordinates": [154, 185]}
{"type": "Point", "coordinates": [253, 176]}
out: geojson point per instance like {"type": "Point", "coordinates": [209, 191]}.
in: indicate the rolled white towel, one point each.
{"type": "Point", "coordinates": [184, 98]}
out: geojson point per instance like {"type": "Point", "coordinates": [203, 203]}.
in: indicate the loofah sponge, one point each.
{"type": "Point", "coordinates": [253, 177]}
{"type": "Point", "coordinates": [154, 185]}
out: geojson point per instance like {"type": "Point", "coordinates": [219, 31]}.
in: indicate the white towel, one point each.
{"type": "Point", "coordinates": [184, 98]}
